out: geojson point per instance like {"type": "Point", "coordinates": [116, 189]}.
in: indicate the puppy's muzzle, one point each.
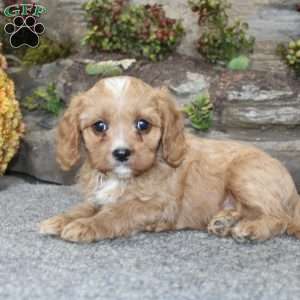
{"type": "Point", "coordinates": [121, 154]}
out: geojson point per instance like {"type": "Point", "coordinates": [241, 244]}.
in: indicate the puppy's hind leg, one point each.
{"type": "Point", "coordinates": [160, 226]}
{"type": "Point", "coordinates": [294, 226]}
{"type": "Point", "coordinates": [222, 223]}
{"type": "Point", "coordinates": [260, 229]}
{"type": "Point", "coordinates": [264, 191]}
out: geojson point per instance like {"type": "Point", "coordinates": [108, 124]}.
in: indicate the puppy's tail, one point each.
{"type": "Point", "coordinates": [294, 226]}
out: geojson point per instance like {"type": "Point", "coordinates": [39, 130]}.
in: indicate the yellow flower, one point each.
{"type": "Point", "coordinates": [11, 126]}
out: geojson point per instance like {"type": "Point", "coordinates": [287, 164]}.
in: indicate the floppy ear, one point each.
{"type": "Point", "coordinates": [68, 136]}
{"type": "Point", "coordinates": [173, 139]}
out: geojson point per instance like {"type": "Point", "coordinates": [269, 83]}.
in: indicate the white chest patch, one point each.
{"type": "Point", "coordinates": [107, 191]}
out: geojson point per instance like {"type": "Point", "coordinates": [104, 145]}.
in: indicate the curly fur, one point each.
{"type": "Point", "coordinates": [172, 181]}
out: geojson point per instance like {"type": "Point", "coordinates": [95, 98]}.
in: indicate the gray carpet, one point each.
{"type": "Point", "coordinates": [178, 265]}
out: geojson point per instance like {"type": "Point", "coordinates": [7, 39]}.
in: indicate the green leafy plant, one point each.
{"type": "Point", "coordinates": [44, 98]}
{"type": "Point", "coordinates": [138, 30]}
{"type": "Point", "coordinates": [105, 70]}
{"type": "Point", "coordinates": [221, 40]}
{"type": "Point", "coordinates": [239, 63]}
{"type": "Point", "coordinates": [291, 55]}
{"type": "Point", "coordinates": [200, 112]}
{"type": "Point", "coordinates": [47, 51]}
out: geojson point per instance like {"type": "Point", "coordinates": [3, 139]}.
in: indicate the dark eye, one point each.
{"type": "Point", "coordinates": [100, 126]}
{"type": "Point", "coordinates": [142, 125]}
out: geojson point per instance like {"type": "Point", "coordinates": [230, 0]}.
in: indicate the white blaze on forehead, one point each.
{"type": "Point", "coordinates": [117, 85]}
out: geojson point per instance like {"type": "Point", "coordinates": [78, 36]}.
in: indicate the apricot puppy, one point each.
{"type": "Point", "coordinates": [142, 172]}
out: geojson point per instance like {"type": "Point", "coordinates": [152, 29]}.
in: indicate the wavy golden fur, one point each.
{"type": "Point", "coordinates": [171, 180]}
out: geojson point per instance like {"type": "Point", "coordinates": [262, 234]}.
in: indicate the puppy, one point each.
{"type": "Point", "coordinates": [144, 173]}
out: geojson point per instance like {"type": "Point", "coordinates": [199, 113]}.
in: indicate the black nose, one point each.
{"type": "Point", "coordinates": [121, 154]}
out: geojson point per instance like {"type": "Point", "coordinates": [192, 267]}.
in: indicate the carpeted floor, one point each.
{"type": "Point", "coordinates": [168, 266]}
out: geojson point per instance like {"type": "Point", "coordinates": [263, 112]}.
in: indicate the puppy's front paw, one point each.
{"type": "Point", "coordinates": [54, 225]}
{"type": "Point", "coordinates": [79, 231]}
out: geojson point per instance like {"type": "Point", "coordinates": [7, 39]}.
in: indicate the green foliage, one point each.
{"type": "Point", "coordinates": [200, 112]}
{"type": "Point", "coordinates": [104, 70]}
{"type": "Point", "coordinates": [44, 98]}
{"type": "Point", "coordinates": [239, 63]}
{"type": "Point", "coordinates": [47, 51]}
{"type": "Point", "coordinates": [220, 41]}
{"type": "Point", "coordinates": [139, 30]}
{"type": "Point", "coordinates": [291, 55]}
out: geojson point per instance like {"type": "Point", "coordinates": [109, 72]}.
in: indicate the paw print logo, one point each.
{"type": "Point", "coordinates": [24, 32]}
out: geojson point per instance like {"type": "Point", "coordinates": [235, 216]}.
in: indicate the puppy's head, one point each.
{"type": "Point", "coordinates": [125, 126]}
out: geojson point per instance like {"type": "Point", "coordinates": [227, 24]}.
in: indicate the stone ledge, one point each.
{"type": "Point", "coordinates": [254, 107]}
{"type": "Point", "coordinates": [37, 153]}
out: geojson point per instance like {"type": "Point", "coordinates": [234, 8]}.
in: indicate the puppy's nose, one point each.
{"type": "Point", "coordinates": [121, 154]}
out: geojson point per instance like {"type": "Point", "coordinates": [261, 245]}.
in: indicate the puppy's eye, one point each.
{"type": "Point", "coordinates": [142, 125]}
{"type": "Point", "coordinates": [100, 126]}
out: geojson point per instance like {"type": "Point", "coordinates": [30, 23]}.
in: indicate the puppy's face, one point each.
{"type": "Point", "coordinates": [121, 126]}
{"type": "Point", "coordinates": [122, 122]}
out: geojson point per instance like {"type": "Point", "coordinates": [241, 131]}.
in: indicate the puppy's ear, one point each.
{"type": "Point", "coordinates": [173, 139]}
{"type": "Point", "coordinates": [68, 136]}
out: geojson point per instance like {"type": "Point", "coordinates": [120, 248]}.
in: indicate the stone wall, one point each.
{"type": "Point", "coordinates": [260, 108]}
{"type": "Point", "coordinates": [271, 22]}
{"type": "Point", "coordinates": [255, 107]}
